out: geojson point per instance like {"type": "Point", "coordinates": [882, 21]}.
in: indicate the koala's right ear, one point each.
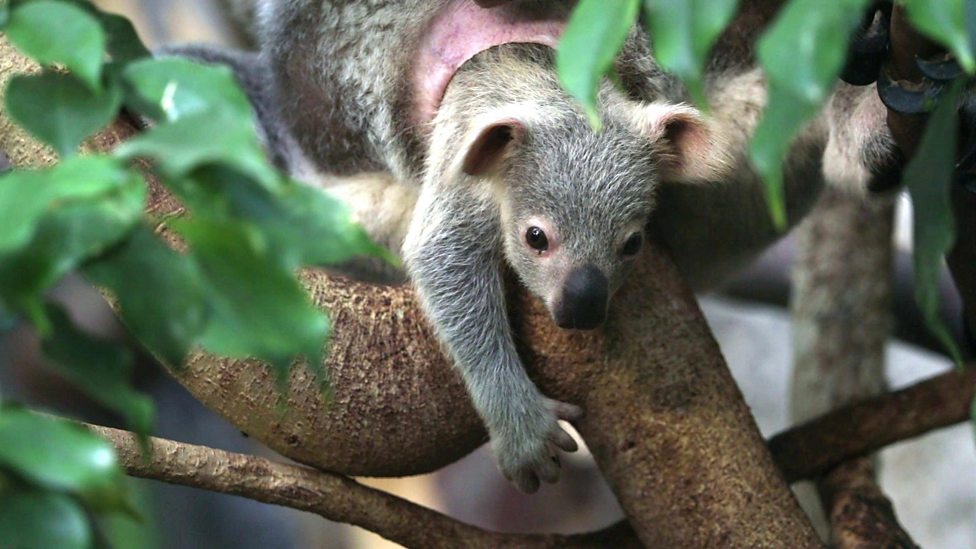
{"type": "Point", "coordinates": [485, 152]}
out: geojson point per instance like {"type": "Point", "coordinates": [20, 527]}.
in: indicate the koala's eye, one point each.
{"type": "Point", "coordinates": [536, 238]}
{"type": "Point", "coordinates": [633, 245]}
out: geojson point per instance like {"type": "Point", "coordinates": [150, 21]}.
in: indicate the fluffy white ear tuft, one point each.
{"type": "Point", "coordinates": [491, 145]}
{"type": "Point", "coordinates": [691, 152]}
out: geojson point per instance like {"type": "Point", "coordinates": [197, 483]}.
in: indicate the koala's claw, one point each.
{"type": "Point", "coordinates": [531, 456]}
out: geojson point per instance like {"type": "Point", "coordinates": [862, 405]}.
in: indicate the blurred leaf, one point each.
{"type": "Point", "coordinates": [124, 44]}
{"type": "Point", "coordinates": [4, 16]}
{"type": "Point", "coordinates": [172, 88]}
{"type": "Point", "coordinates": [59, 33]}
{"type": "Point", "coordinates": [929, 178]}
{"type": "Point", "coordinates": [27, 196]}
{"type": "Point", "coordinates": [201, 139]}
{"type": "Point", "coordinates": [71, 233]}
{"type": "Point", "coordinates": [306, 225]}
{"type": "Point", "coordinates": [59, 110]}
{"type": "Point", "coordinates": [32, 519]}
{"type": "Point", "coordinates": [802, 54]}
{"type": "Point", "coordinates": [101, 369]}
{"type": "Point", "coordinates": [594, 34]}
{"type": "Point", "coordinates": [945, 22]}
{"type": "Point", "coordinates": [265, 314]}
{"type": "Point", "coordinates": [683, 32]}
{"type": "Point", "coordinates": [168, 327]}
{"type": "Point", "coordinates": [59, 455]}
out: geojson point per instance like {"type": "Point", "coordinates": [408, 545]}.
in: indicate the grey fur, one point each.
{"type": "Point", "coordinates": [333, 96]}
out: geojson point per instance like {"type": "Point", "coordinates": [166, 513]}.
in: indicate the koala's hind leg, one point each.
{"type": "Point", "coordinates": [384, 207]}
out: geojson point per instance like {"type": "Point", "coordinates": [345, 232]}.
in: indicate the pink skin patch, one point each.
{"type": "Point", "coordinates": [464, 29]}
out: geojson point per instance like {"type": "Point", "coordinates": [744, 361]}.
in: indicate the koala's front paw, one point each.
{"type": "Point", "coordinates": [527, 452]}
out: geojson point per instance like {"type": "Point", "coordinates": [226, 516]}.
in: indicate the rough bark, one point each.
{"type": "Point", "coordinates": [665, 420]}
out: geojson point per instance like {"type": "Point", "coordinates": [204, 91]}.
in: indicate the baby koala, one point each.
{"type": "Point", "coordinates": [515, 175]}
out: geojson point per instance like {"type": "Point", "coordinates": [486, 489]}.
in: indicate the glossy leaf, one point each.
{"type": "Point", "coordinates": [58, 33]}
{"type": "Point", "coordinates": [101, 369]}
{"type": "Point", "coordinates": [26, 196]}
{"type": "Point", "coordinates": [945, 22]}
{"type": "Point", "coordinates": [172, 88]}
{"type": "Point", "coordinates": [59, 110]}
{"type": "Point", "coordinates": [170, 326]}
{"type": "Point", "coordinates": [683, 32]}
{"type": "Point", "coordinates": [181, 147]}
{"type": "Point", "coordinates": [33, 519]}
{"type": "Point", "coordinates": [594, 35]}
{"type": "Point", "coordinates": [929, 177]}
{"type": "Point", "coordinates": [802, 54]}
{"type": "Point", "coordinates": [59, 455]}
{"type": "Point", "coordinates": [265, 314]}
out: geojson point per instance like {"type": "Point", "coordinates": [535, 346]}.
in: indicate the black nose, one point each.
{"type": "Point", "coordinates": [584, 301]}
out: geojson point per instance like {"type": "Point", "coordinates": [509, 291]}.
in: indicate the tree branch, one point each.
{"type": "Point", "coordinates": [334, 497]}
{"type": "Point", "coordinates": [856, 430]}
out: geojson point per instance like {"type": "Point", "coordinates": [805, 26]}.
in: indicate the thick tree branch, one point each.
{"type": "Point", "coordinates": [859, 429]}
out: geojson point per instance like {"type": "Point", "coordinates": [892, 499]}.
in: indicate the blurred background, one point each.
{"type": "Point", "coordinates": [931, 480]}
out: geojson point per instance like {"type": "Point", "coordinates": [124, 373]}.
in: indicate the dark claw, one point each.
{"type": "Point", "coordinates": [869, 47]}
{"type": "Point", "coordinates": [5, 165]}
{"type": "Point", "coordinates": [900, 99]}
{"type": "Point", "coordinates": [943, 69]}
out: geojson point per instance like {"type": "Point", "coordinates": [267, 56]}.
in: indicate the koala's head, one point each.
{"type": "Point", "coordinates": [574, 204]}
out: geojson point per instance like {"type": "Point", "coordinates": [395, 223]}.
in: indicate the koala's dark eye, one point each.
{"type": "Point", "coordinates": [633, 245]}
{"type": "Point", "coordinates": [536, 238]}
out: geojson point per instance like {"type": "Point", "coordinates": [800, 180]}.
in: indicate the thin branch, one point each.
{"type": "Point", "coordinates": [860, 515]}
{"type": "Point", "coordinates": [811, 449]}
{"type": "Point", "coordinates": [334, 497]}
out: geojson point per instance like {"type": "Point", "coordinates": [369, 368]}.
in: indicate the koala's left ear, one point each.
{"type": "Point", "coordinates": [491, 144]}
{"type": "Point", "coordinates": [690, 150]}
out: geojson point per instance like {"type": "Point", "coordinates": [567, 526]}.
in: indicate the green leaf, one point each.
{"type": "Point", "coordinates": [802, 54]}
{"type": "Point", "coordinates": [101, 369]}
{"type": "Point", "coordinates": [124, 44]}
{"type": "Point", "coordinates": [929, 177]}
{"type": "Point", "coordinates": [594, 34]}
{"type": "Point", "coordinates": [27, 196]}
{"type": "Point", "coordinates": [32, 519]}
{"type": "Point", "coordinates": [264, 314]}
{"type": "Point", "coordinates": [172, 88]}
{"type": "Point", "coordinates": [180, 147]}
{"type": "Point", "coordinates": [70, 234]}
{"type": "Point", "coordinates": [59, 110]}
{"type": "Point", "coordinates": [683, 32]}
{"type": "Point", "coordinates": [59, 455]}
{"type": "Point", "coordinates": [4, 16]}
{"type": "Point", "coordinates": [306, 225]}
{"type": "Point", "coordinates": [59, 33]}
{"type": "Point", "coordinates": [170, 326]}
{"type": "Point", "coordinates": [945, 22]}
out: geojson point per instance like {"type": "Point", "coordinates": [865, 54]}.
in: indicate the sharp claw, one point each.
{"type": "Point", "coordinates": [868, 48]}
{"type": "Point", "coordinates": [920, 100]}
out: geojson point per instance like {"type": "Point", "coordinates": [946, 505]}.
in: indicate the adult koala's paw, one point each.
{"type": "Point", "coordinates": [528, 451]}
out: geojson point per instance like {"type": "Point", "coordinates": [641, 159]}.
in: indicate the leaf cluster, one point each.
{"type": "Point", "coordinates": [233, 291]}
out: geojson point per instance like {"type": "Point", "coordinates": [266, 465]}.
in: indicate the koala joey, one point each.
{"type": "Point", "coordinates": [444, 126]}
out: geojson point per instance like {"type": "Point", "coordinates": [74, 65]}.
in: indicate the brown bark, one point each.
{"type": "Point", "coordinates": [864, 427]}
{"type": "Point", "coordinates": [665, 420]}
{"type": "Point", "coordinates": [861, 517]}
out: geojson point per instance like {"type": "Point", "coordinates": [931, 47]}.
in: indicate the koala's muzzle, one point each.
{"type": "Point", "coordinates": [583, 305]}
